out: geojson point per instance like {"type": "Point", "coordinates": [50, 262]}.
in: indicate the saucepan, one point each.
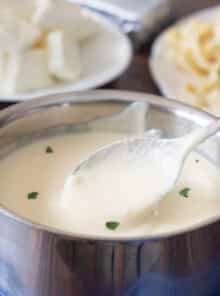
{"type": "Point", "coordinates": [41, 261]}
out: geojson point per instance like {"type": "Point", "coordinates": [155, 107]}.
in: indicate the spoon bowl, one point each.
{"type": "Point", "coordinates": [149, 165]}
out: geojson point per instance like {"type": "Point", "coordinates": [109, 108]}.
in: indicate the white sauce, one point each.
{"type": "Point", "coordinates": [31, 169]}
{"type": "Point", "coordinates": [135, 169]}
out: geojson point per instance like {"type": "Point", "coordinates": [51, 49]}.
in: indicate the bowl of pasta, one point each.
{"type": "Point", "coordinates": [185, 60]}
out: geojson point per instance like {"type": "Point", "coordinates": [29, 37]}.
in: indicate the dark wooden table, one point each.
{"type": "Point", "coordinates": [138, 77]}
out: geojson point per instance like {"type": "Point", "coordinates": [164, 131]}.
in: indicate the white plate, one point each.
{"type": "Point", "coordinates": [105, 57]}
{"type": "Point", "coordinates": [170, 79]}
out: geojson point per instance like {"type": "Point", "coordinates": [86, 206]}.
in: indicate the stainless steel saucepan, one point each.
{"type": "Point", "coordinates": [38, 261]}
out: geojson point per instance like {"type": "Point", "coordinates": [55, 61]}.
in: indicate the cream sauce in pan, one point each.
{"type": "Point", "coordinates": [33, 185]}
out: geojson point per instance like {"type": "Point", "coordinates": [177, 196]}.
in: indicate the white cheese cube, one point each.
{"type": "Point", "coordinates": [33, 73]}
{"type": "Point", "coordinates": [41, 7]}
{"type": "Point", "coordinates": [16, 34]}
{"type": "Point", "coordinates": [20, 8]}
{"type": "Point", "coordinates": [63, 57]}
{"type": "Point", "coordinates": [68, 17]}
{"type": "Point", "coordinates": [25, 9]}
{"type": "Point", "coordinates": [26, 71]}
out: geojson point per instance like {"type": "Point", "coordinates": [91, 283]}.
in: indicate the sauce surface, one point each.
{"type": "Point", "coordinates": [32, 181]}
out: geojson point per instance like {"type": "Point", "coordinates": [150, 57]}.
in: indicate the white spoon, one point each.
{"type": "Point", "coordinates": [146, 168]}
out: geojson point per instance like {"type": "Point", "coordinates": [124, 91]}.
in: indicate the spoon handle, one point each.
{"type": "Point", "coordinates": [201, 134]}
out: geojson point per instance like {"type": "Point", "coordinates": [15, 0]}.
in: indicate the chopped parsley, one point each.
{"type": "Point", "coordinates": [49, 149]}
{"type": "Point", "coordinates": [33, 195]}
{"type": "Point", "coordinates": [112, 225]}
{"type": "Point", "coordinates": [218, 73]}
{"type": "Point", "coordinates": [185, 192]}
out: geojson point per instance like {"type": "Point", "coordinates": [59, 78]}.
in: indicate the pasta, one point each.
{"type": "Point", "coordinates": [194, 46]}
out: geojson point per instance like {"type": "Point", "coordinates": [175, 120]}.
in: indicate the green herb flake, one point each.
{"type": "Point", "coordinates": [33, 195]}
{"type": "Point", "coordinates": [185, 192]}
{"type": "Point", "coordinates": [112, 225]}
{"type": "Point", "coordinates": [49, 149]}
{"type": "Point", "coordinates": [218, 73]}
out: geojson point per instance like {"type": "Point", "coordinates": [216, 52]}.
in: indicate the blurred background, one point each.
{"type": "Point", "coordinates": [182, 7]}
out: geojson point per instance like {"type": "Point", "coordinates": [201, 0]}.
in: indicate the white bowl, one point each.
{"type": "Point", "coordinates": [167, 75]}
{"type": "Point", "coordinates": [105, 57]}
